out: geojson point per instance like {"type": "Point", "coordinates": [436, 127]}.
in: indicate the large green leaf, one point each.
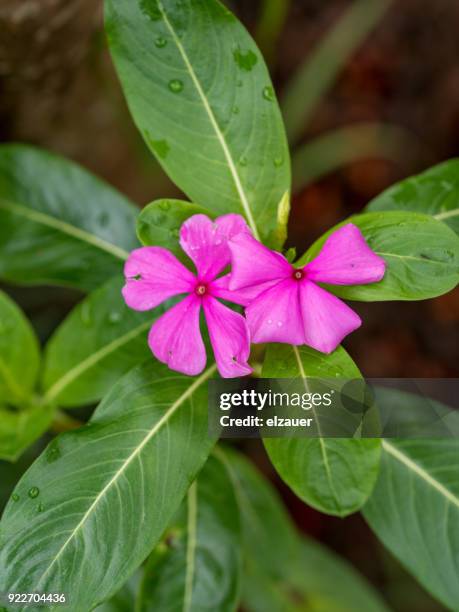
{"type": "Point", "coordinates": [201, 95]}
{"type": "Point", "coordinates": [434, 192]}
{"type": "Point", "coordinates": [335, 476]}
{"type": "Point", "coordinates": [94, 504]}
{"type": "Point", "coordinates": [99, 341]}
{"type": "Point", "coordinates": [19, 354]}
{"type": "Point", "coordinates": [421, 254]}
{"type": "Point", "coordinates": [197, 567]}
{"type": "Point", "coordinates": [58, 223]}
{"type": "Point", "coordinates": [284, 572]}
{"type": "Point", "coordinates": [414, 510]}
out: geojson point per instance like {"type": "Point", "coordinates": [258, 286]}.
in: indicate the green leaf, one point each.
{"type": "Point", "coordinates": [197, 566]}
{"type": "Point", "coordinates": [19, 428]}
{"type": "Point", "coordinates": [19, 354]}
{"type": "Point", "coordinates": [94, 504]}
{"type": "Point", "coordinates": [434, 192]}
{"type": "Point", "coordinates": [320, 69]}
{"type": "Point", "coordinates": [58, 223]}
{"type": "Point", "coordinates": [201, 95]}
{"type": "Point", "coordinates": [414, 510]}
{"type": "Point", "coordinates": [335, 476]}
{"type": "Point", "coordinates": [124, 599]}
{"type": "Point", "coordinates": [98, 342]}
{"type": "Point", "coordinates": [421, 254]}
{"type": "Point", "coordinates": [285, 572]}
{"type": "Point", "coordinates": [159, 223]}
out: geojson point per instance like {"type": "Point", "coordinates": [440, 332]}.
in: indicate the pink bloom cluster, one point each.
{"type": "Point", "coordinates": [282, 303]}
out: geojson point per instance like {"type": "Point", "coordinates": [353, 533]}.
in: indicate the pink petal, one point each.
{"type": "Point", "coordinates": [161, 276]}
{"type": "Point", "coordinates": [253, 263]}
{"type": "Point", "coordinates": [206, 242]}
{"type": "Point", "coordinates": [346, 259]}
{"type": "Point", "coordinates": [175, 338]}
{"type": "Point", "coordinates": [327, 320]}
{"type": "Point", "coordinates": [275, 315]}
{"type": "Point", "coordinates": [229, 337]}
{"type": "Point", "coordinates": [220, 288]}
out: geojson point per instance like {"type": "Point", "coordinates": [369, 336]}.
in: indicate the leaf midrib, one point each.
{"type": "Point", "coordinates": [191, 545]}
{"type": "Point", "coordinates": [154, 430]}
{"type": "Point", "coordinates": [64, 227]}
{"type": "Point", "coordinates": [221, 138]}
{"type": "Point", "coordinates": [420, 472]}
{"type": "Point", "coordinates": [71, 375]}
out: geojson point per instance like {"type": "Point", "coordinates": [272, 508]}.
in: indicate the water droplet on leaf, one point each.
{"type": "Point", "coordinates": [243, 161]}
{"type": "Point", "coordinates": [235, 110]}
{"type": "Point", "coordinates": [160, 42]}
{"type": "Point", "coordinates": [114, 317]}
{"type": "Point", "coordinates": [164, 205]}
{"type": "Point", "coordinates": [268, 93]}
{"type": "Point", "coordinates": [34, 492]}
{"type": "Point", "coordinates": [278, 161]}
{"type": "Point", "coordinates": [175, 85]}
{"type": "Point", "coordinates": [246, 60]}
{"type": "Point", "coordinates": [15, 497]}
{"type": "Point", "coordinates": [40, 507]}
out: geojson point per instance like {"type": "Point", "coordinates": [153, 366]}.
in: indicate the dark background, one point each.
{"type": "Point", "coordinates": [58, 90]}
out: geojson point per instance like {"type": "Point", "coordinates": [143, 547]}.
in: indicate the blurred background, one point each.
{"type": "Point", "coordinates": [370, 94]}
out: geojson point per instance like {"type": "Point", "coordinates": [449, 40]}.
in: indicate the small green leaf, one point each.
{"type": "Point", "coordinates": [335, 476]}
{"type": "Point", "coordinates": [197, 566]}
{"type": "Point", "coordinates": [434, 192]}
{"type": "Point", "coordinates": [95, 503]}
{"type": "Point", "coordinates": [414, 510]}
{"type": "Point", "coordinates": [19, 354]}
{"type": "Point", "coordinates": [99, 341]}
{"type": "Point", "coordinates": [211, 118]}
{"type": "Point", "coordinates": [159, 223]}
{"type": "Point", "coordinates": [421, 255]}
{"type": "Point", "coordinates": [58, 223]}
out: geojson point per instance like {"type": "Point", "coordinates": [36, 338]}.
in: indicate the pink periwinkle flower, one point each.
{"type": "Point", "coordinates": [285, 304]}
{"type": "Point", "coordinates": [153, 275]}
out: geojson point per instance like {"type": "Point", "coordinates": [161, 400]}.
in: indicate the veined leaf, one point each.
{"type": "Point", "coordinates": [284, 572]}
{"type": "Point", "coordinates": [58, 223]}
{"type": "Point", "coordinates": [197, 566]}
{"type": "Point", "coordinates": [94, 504]}
{"type": "Point", "coordinates": [159, 224]}
{"type": "Point", "coordinates": [421, 255]}
{"type": "Point", "coordinates": [19, 354]}
{"type": "Point", "coordinates": [19, 428]}
{"type": "Point", "coordinates": [434, 192]}
{"type": "Point", "coordinates": [414, 510]}
{"type": "Point", "coordinates": [98, 342]}
{"type": "Point", "coordinates": [336, 476]}
{"type": "Point", "coordinates": [201, 95]}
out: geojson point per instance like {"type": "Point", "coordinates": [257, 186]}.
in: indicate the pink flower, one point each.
{"type": "Point", "coordinates": [284, 303]}
{"type": "Point", "coordinates": [153, 275]}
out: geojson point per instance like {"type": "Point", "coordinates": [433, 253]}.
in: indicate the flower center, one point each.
{"type": "Point", "coordinates": [201, 289]}
{"type": "Point", "coordinates": [298, 274]}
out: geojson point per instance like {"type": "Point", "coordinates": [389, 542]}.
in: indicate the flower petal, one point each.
{"type": "Point", "coordinates": [220, 288]}
{"type": "Point", "coordinates": [153, 275]}
{"type": "Point", "coordinates": [327, 320]}
{"type": "Point", "coordinates": [275, 315]}
{"type": "Point", "coordinates": [346, 259]}
{"type": "Point", "coordinates": [253, 263]}
{"type": "Point", "coordinates": [206, 242]}
{"type": "Point", "coordinates": [175, 338]}
{"type": "Point", "coordinates": [229, 337]}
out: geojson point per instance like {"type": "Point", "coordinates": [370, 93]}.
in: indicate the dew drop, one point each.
{"type": "Point", "coordinates": [34, 492]}
{"type": "Point", "coordinates": [235, 110]}
{"type": "Point", "coordinates": [175, 85]}
{"type": "Point", "coordinates": [40, 507]}
{"type": "Point", "coordinates": [243, 161]}
{"type": "Point", "coordinates": [53, 453]}
{"type": "Point", "coordinates": [164, 205]}
{"type": "Point", "coordinates": [268, 93]}
{"type": "Point", "coordinates": [278, 161]}
{"type": "Point", "coordinates": [114, 317]}
{"type": "Point", "coordinates": [15, 497]}
{"type": "Point", "coordinates": [160, 42]}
